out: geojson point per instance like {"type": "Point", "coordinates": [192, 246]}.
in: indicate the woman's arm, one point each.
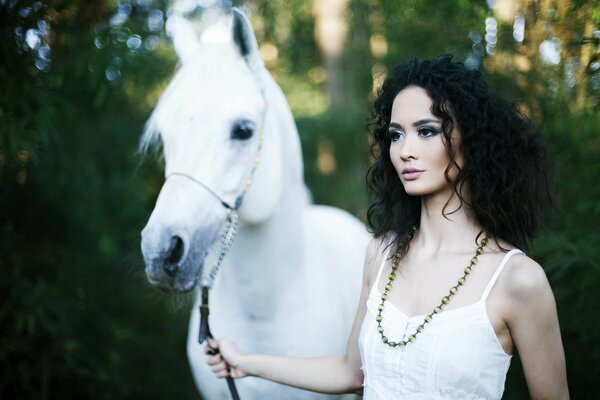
{"type": "Point", "coordinates": [533, 323]}
{"type": "Point", "coordinates": [341, 374]}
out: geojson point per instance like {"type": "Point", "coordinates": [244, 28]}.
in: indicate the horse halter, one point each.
{"type": "Point", "coordinates": [232, 220]}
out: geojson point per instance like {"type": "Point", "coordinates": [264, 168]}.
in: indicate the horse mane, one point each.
{"type": "Point", "coordinates": [150, 140]}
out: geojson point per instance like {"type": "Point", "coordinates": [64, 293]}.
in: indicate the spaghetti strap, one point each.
{"type": "Point", "coordinates": [494, 277]}
{"type": "Point", "coordinates": [386, 254]}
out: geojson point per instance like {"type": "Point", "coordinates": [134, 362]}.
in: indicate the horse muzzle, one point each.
{"type": "Point", "coordinates": [172, 264]}
{"type": "Point", "coordinates": [182, 228]}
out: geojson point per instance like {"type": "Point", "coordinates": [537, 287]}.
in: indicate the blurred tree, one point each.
{"type": "Point", "coordinates": [547, 55]}
{"type": "Point", "coordinates": [331, 29]}
{"type": "Point", "coordinates": [77, 320]}
{"type": "Point", "coordinates": [550, 50]}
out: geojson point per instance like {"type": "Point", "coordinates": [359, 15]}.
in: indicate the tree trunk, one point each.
{"type": "Point", "coordinates": [331, 28]}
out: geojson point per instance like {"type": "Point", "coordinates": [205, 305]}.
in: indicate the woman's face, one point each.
{"type": "Point", "coordinates": [417, 149]}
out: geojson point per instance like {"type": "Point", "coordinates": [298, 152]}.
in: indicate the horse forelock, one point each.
{"type": "Point", "coordinates": [205, 77]}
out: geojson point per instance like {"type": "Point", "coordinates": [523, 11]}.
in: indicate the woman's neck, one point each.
{"type": "Point", "coordinates": [446, 225]}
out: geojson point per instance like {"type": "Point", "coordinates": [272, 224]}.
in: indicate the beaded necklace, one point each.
{"type": "Point", "coordinates": [445, 300]}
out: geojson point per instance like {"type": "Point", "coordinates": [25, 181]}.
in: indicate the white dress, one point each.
{"type": "Point", "coordinates": [457, 356]}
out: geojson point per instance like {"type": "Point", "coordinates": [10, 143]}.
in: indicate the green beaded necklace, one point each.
{"type": "Point", "coordinates": [436, 310]}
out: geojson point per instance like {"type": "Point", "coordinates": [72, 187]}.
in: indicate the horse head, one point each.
{"type": "Point", "coordinates": [210, 122]}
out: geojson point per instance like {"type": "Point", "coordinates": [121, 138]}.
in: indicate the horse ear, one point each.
{"type": "Point", "coordinates": [185, 37]}
{"type": "Point", "coordinates": [244, 39]}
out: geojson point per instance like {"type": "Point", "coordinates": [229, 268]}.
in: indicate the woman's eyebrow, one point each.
{"type": "Point", "coordinates": [425, 121]}
{"type": "Point", "coordinates": [416, 123]}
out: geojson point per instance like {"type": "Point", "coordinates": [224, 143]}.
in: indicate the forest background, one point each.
{"type": "Point", "coordinates": [79, 78]}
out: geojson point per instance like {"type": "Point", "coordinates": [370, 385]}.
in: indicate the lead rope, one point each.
{"type": "Point", "coordinates": [229, 233]}
{"type": "Point", "coordinates": [207, 282]}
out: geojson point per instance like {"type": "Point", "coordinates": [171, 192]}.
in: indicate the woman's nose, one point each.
{"type": "Point", "coordinates": [408, 150]}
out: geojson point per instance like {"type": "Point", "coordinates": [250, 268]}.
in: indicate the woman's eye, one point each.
{"type": "Point", "coordinates": [428, 132]}
{"type": "Point", "coordinates": [395, 136]}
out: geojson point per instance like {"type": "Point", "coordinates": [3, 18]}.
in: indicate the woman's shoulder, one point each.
{"type": "Point", "coordinates": [379, 244]}
{"type": "Point", "coordinates": [376, 250]}
{"type": "Point", "coordinates": [524, 279]}
{"type": "Point", "coordinates": [525, 296]}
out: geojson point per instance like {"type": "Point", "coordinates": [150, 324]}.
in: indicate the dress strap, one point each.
{"type": "Point", "coordinates": [499, 269]}
{"type": "Point", "coordinates": [386, 254]}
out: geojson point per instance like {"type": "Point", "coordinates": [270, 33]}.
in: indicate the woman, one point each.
{"type": "Point", "coordinates": [447, 295]}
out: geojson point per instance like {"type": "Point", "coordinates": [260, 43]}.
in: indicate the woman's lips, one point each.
{"type": "Point", "coordinates": [410, 174]}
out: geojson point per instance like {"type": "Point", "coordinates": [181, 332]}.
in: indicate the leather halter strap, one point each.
{"type": "Point", "coordinates": [238, 200]}
{"type": "Point", "coordinates": [247, 183]}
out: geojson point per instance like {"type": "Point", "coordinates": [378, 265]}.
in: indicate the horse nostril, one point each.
{"type": "Point", "coordinates": [173, 257]}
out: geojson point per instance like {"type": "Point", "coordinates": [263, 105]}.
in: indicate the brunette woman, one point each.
{"type": "Point", "coordinates": [460, 184]}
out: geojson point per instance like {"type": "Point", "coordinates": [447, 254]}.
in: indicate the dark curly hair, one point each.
{"type": "Point", "coordinates": [504, 169]}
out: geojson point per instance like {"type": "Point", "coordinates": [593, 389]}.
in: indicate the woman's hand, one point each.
{"type": "Point", "coordinates": [332, 375]}
{"type": "Point", "coordinates": [224, 358]}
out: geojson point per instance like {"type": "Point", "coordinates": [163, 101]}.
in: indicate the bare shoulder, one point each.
{"type": "Point", "coordinates": [529, 311]}
{"type": "Point", "coordinates": [524, 278]}
{"type": "Point", "coordinates": [525, 287]}
{"type": "Point", "coordinates": [374, 255]}
{"type": "Point", "coordinates": [377, 246]}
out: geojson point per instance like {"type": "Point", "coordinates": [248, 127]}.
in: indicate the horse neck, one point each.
{"type": "Point", "coordinates": [283, 125]}
{"type": "Point", "coordinates": [268, 256]}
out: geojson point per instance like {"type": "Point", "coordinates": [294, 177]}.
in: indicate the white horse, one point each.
{"type": "Point", "coordinates": [290, 283]}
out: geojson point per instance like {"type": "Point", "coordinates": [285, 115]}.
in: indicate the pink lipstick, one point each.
{"type": "Point", "coordinates": [410, 174]}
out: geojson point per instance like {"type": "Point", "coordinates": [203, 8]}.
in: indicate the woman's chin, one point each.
{"type": "Point", "coordinates": [429, 192]}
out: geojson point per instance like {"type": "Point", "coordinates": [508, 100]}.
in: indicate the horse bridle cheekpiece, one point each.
{"type": "Point", "coordinates": [226, 240]}
{"type": "Point", "coordinates": [231, 223]}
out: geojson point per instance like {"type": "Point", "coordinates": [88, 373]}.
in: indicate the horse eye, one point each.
{"type": "Point", "coordinates": [242, 130]}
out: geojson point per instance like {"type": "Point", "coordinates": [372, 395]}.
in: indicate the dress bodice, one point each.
{"type": "Point", "coordinates": [458, 355]}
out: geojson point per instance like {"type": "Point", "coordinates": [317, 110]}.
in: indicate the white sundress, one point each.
{"type": "Point", "coordinates": [458, 355]}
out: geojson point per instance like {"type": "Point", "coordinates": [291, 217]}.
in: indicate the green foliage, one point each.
{"type": "Point", "coordinates": [568, 250]}
{"type": "Point", "coordinates": [335, 150]}
{"type": "Point", "coordinates": [569, 247]}
{"type": "Point", "coordinates": [78, 319]}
